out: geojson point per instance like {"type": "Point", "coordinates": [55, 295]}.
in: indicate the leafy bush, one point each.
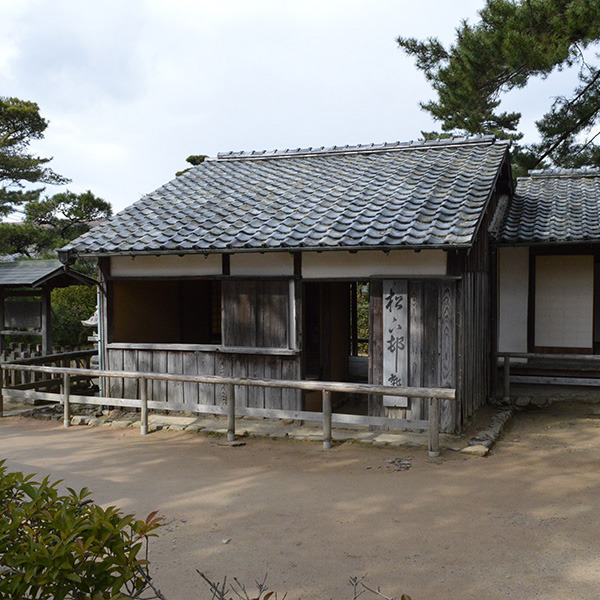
{"type": "Point", "coordinates": [65, 547]}
{"type": "Point", "coordinates": [71, 305]}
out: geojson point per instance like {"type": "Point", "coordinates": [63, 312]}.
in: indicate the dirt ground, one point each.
{"type": "Point", "coordinates": [522, 523]}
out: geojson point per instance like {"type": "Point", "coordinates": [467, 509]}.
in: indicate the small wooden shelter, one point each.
{"type": "Point", "coordinates": [25, 308]}
{"type": "Point", "coordinates": [248, 265]}
{"type": "Point", "coordinates": [549, 264]}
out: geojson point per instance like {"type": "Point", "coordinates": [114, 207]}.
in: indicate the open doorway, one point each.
{"type": "Point", "coordinates": [335, 337]}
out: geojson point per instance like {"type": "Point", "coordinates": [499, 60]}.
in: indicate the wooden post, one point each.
{"type": "Point", "coordinates": [434, 427]}
{"type": "Point", "coordinates": [1, 392]}
{"type": "Point", "coordinates": [2, 324]}
{"type": "Point", "coordinates": [46, 321]}
{"type": "Point", "coordinates": [230, 412]}
{"type": "Point", "coordinates": [506, 373]}
{"type": "Point", "coordinates": [326, 419]}
{"type": "Point", "coordinates": [66, 405]}
{"type": "Point", "coordinates": [144, 401]}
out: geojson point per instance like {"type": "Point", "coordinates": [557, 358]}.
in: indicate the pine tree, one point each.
{"type": "Point", "coordinates": [514, 41]}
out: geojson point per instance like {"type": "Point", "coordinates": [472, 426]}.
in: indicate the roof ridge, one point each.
{"type": "Point", "coordinates": [358, 148]}
{"type": "Point", "coordinates": [562, 172]}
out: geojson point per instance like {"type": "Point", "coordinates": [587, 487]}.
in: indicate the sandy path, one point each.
{"type": "Point", "coordinates": [522, 523]}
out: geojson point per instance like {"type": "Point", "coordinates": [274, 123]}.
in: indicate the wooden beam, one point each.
{"type": "Point", "coordinates": [226, 264]}
{"type": "Point", "coordinates": [46, 321]}
{"type": "Point", "coordinates": [2, 322]}
{"type": "Point", "coordinates": [326, 419]}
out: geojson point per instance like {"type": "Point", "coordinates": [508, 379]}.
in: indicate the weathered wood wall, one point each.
{"type": "Point", "coordinates": [474, 345]}
{"type": "Point", "coordinates": [258, 366]}
{"type": "Point", "coordinates": [255, 313]}
{"type": "Point", "coordinates": [22, 313]}
{"type": "Point", "coordinates": [432, 335]}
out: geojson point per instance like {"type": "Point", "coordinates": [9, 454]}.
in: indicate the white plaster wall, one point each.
{"type": "Point", "coordinates": [564, 301]}
{"type": "Point", "coordinates": [513, 292]}
{"type": "Point", "coordinates": [166, 266]}
{"type": "Point", "coordinates": [268, 264]}
{"type": "Point", "coordinates": [363, 264]}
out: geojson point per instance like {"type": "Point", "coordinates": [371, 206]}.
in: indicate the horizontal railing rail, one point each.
{"type": "Point", "coordinates": [18, 377]}
{"type": "Point", "coordinates": [546, 379]}
{"type": "Point", "coordinates": [327, 417]}
{"type": "Point", "coordinates": [75, 355]}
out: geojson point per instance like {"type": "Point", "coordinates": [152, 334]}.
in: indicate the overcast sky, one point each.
{"type": "Point", "coordinates": [133, 87]}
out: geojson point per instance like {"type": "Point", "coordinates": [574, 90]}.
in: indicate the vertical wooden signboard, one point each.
{"type": "Point", "coordinates": [395, 338]}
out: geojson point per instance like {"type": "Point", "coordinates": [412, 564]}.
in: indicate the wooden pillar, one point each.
{"type": "Point", "coordinates": [144, 408]}
{"type": "Point", "coordinates": [2, 323]}
{"type": "Point", "coordinates": [1, 392]}
{"type": "Point", "coordinates": [354, 318]}
{"type": "Point", "coordinates": [230, 412]}
{"type": "Point", "coordinates": [46, 321]}
{"type": "Point", "coordinates": [434, 427]}
{"type": "Point", "coordinates": [66, 401]}
{"type": "Point", "coordinates": [326, 419]}
{"type": "Point", "coordinates": [506, 374]}
{"type": "Point", "coordinates": [104, 290]}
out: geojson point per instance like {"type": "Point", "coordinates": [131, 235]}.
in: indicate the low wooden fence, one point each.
{"type": "Point", "coordinates": [143, 403]}
{"type": "Point", "coordinates": [20, 379]}
{"type": "Point", "coordinates": [546, 379]}
{"type": "Point", "coordinates": [18, 352]}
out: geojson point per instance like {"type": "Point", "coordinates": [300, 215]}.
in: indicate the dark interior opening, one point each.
{"type": "Point", "coordinates": [166, 312]}
{"type": "Point", "coordinates": [335, 337]}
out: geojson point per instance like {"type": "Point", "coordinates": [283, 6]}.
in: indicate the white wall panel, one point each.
{"type": "Point", "coordinates": [513, 293]}
{"type": "Point", "coordinates": [329, 265]}
{"type": "Point", "coordinates": [564, 301]}
{"type": "Point", "coordinates": [266, 264]}
{"type": "Point", "coordinates": [166, 266]}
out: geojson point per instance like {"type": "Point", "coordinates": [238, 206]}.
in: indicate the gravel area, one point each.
{"type": "Point", "coordinates": [522, 522]}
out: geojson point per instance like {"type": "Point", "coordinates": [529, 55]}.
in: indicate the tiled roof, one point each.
{"type": "Point", "coordinates": [416, 194]}
{"type": "Point", "coordinates": [28, 272]}
{"type": "Point", "coordinates": [559, 205]}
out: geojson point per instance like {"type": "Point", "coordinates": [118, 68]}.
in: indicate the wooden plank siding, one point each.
{"type": "Point", "coordinates": [257, 366]}
{"type": "Point", "coordinates": [432, 335]}
{"type": "Point", "coordinates": [473, 387]}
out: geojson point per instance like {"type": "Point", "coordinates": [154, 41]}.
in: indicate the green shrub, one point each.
{"type": "Point", "coordinates": [65, 547]}
{"type": "Point", "coordinates": [71, 305]}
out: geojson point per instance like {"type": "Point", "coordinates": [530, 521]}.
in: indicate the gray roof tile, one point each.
{"type": "Point", "coordinates": [416, 194]}
{"type": "Point", "coordinates": [554, 206]}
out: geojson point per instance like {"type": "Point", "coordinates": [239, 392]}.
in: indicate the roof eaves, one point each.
{"type": "Point", "coordinates": [290, 249]}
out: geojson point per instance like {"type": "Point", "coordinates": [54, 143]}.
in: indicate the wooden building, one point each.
{"type": "Point", "coordinates": [252, 265]}
{"type": "Point", "coordinates": [25, 307]}
{"type": "Point", "coordinates": [549, 264]}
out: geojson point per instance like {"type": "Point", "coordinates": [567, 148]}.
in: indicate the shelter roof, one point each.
{"type": "Point", "coordinates": [415, 194]}
{"type": "Point", "coordinates": [35, 273]}
{"type": "Point", "coordinates": [554, 206]}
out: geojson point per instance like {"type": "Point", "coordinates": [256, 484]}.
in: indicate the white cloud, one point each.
{"type": "Point", "coordinates": [131, 88]}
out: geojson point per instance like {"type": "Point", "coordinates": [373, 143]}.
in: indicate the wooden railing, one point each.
{"type": "Point", "coordinates": [17, 378]}
{"type": "Point", "coordinates": [545, 379]}
{"type": "Point", "coordinates": [327, 417]}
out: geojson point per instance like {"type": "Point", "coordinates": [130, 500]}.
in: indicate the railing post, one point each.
{"type": "Point", "coordinates": [434, 427]}
{"type": "Point", "coordinates": [66, 405]}
{"type": "Point", "coordinates": [326, 394]}
{"type": "Point", "coordinates": [1, 392]}
{"type": "Point", "coordinates": [506, 373]}
{"type": "Point", "coordinates": [230, 412]}
{"type": "Point", "coordinates": [144, 402]}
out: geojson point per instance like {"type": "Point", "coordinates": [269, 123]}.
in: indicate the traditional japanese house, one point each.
{"type": "Point", "coordinates": [549, 264]}
{"type": "Point", "coordinates": [257, 265]}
